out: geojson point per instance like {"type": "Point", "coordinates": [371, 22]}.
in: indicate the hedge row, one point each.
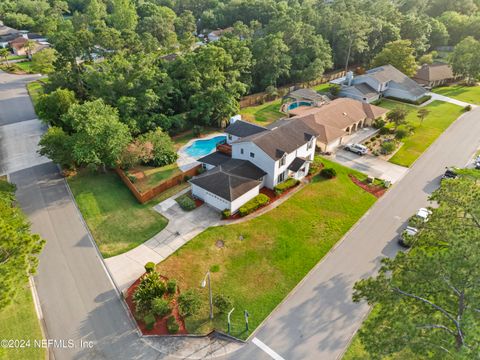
{"type": "Point", "coordinates": [418, 102]}
{"type": "Point", "coordinates": [254, 204]}
{"type": "Point", "coordinates": [284, 186]}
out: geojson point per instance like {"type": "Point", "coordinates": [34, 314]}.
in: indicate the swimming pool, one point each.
{"type": "Point", "coordinates": [202, 147]}
{"type": "Point", "coordinates": [299, 103]}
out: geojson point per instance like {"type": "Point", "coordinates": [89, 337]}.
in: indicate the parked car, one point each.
{"type": "Point", "coordinates": [449, 174]}
{"type": "Point", "coordinates": [357, 148]}
{"type": "Point", "coordinates": [405, 239]}
{"type": "Point", "coordinates": [423, 214]}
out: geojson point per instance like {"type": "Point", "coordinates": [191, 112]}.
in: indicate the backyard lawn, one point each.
{"type": "Point", "coordinates": [19, 321]}
{"type": "Point", "coordinates": [324, 88]}
{"type": "Point", "coordinates": [260, 261]}
{"type": "Point", "coordinates": [263, 114]}
{"type": "Point", "coordinates": [441, 115]}
{"type": "Point", "coordinates": [469, 94]}
{"type": "Point", "coordinates": [155, 175]}
{"type": "Point", "coordinates": [115, 218]}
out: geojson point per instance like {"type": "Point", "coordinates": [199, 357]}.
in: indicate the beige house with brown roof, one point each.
{"type": "Point", "coordinates": [434, 75]}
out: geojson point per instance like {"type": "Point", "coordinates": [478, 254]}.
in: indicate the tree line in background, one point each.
{"type": "Point", "coordinates": [120, 51]}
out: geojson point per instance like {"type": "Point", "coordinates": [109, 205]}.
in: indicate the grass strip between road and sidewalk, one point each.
{"type": "Point", "coordinates": [258, 263]}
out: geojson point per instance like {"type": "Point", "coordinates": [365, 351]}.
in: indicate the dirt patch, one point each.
{"type": "Point", "coordinates": [219, 244]}
{"type": "Point", "coordinates": [160, 327]}
{"type": "Point", "coordinates": [375, 190]}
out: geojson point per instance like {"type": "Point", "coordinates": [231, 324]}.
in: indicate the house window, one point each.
{"type": "Point", "coordinates": [241, 151]}
{"type": "Point", "coordinates": [281, 177]}
{"type": "Point", "coordinates": [252, 155]}
{"type": "Point", "coordinates": [282, 161]}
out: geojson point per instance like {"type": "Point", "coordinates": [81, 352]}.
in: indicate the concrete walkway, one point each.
{"type": "Point", "coordinates": [182, 227]}
{"type": "Point", "coordinates": [446, 99]}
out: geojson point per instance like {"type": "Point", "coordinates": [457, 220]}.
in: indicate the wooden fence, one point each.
{"type": "Point", "coordinates": [143, 197]}
{"type": "Point", "coordinates": [260, 98]}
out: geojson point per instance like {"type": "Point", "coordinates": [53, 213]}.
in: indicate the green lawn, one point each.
{"type": "Point", "coordinates": [322, 87]}
{"type": "Point", "coordinates": [17, 57]}
{"type": "Point", "coordinates": [19, 321]}
{"type": "Point", "coordinates": [263, 114]}
{"type": "Point", "coordinates": [115, 218]}
{"type": "Point", "coordinates": [277, 251]}
{"type": "Point", "coordinates": [155, 175]}
{"type": "Point", "coordinates": [469, 94]}
{"type": "Point", "coordinates": [35, 89]}
{"type": "Point", "coordinates": [441, 115]}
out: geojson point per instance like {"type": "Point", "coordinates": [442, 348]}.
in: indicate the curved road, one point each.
{"type": "Point", "coordinates": [317, 319]}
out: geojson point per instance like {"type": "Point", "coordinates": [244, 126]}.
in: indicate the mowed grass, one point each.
{"type": "Point", "coordinates": [263, 114]}
{"type": "Point", "coordinates": [264, 258]}
{"type": "Point", "coordinates": [155, 175]}
{"type": "Point", "coordinates": [35, 90]}
{"type": "Point", "coordinates": [441, 115]}
{"type": "Point", "coordinates": [19, 321]}
{"type": "Point", "coordinates": [115, 218]}
{"type": "Point", "coordinates": [323, 88]}
{"type": "Point", "coordinates": [469, 94]}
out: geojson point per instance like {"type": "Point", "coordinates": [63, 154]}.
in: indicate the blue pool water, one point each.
{"type": "Point", "coordinates": [204, 147]}
{"type": "Point", "coordinates": [299, 103]}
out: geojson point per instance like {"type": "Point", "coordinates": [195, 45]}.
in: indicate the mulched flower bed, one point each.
{"type": "Point", "coordinates": [375, 190]}
{"type": "Point", "coordinates": [160, 327]}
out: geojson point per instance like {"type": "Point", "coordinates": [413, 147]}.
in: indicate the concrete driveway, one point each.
{"type": "Point", "coordinates": [182, 227]}
{"type": "Point", "coordinates": [370, 165]}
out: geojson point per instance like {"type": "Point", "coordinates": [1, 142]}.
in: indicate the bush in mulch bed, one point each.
{"type": "Point", "coordinates": [186, 202]}
{"type": "Point", "coordinates": [284, 186]}
{"type": "Point", "coordinates": [328, 173]}
{"type": "Point", "coordinates": [254, 204]}
{"type": "Point", "coordinates": [375, 190]}
{"type": "Point", "coordinates": [153, 300]}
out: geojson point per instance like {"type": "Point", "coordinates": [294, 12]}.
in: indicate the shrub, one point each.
{"type": "Point", "coordinates": [215, 268]}
{"type": "Point", "coordinates": [222, 302]}
{"type": "Point", "coordinates": [172, 325]}
{"type": "Point", "coordinates": [160, 307]}
{"type": "Point", "coordinates": [467, 108]}
{"type": "Point", "coordinates": [171, 286]}
{"type": "Point", "coordinates": [284, 186]}
{"type": "Point", "coordinates": [149, 266]}
{"type": "Point", "coordinates": [401, 132]}
{"type": "Point", "coordinates": [226, 214]}
{"type": "Point", "coordinates": [387, 147]}
{"type": "Point", "coordinates": [150, 287]}
{"type": "Point", "coordinates": [379, 123]}
{"type": "Point", "coordinates": [418, 102]}
{"type": "Point", "coordinates": [383, 131]}
{"type": "Point", "coordinates": [254, 204]}
{"type": "Point", "coordinates": [328, 173]}
{"type": "Point", "coordinates": [189, 302]}
{"type": "Point", "coordinates": [149, 321]}
{"type": "Point", "coordinates": [186, 202]}
{"type": "Point", "coordinates": [162, 149]}
{"type": "Point", "coordinates": [314, 168]}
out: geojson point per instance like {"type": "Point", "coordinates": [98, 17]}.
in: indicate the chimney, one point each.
{"type": "Point", "coordinates": [349, 78]}
{"type": "Point", "coordinates": [235, 118]}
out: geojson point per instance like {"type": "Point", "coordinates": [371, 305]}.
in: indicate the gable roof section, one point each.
{"type": "Point", "coordinates": [388, 73]}
{"type": "Point", "coordinates": [242, 128]}
{"type": "Point", "coordinates": [285, 138]}
{"type": "Point", "coordinates": [365, 90]}
{"type": "Point", "coordinates": [307, 94]}
{"type": "Point", "coordinates": [216, 158]}
{"type": "Point", "coordinates": [434, 72]}
{"type": "Point", "coordinates": [231, 179]}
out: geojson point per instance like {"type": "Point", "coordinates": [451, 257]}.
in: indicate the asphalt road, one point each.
{"type": "Point", "coordinates": [318, 319]}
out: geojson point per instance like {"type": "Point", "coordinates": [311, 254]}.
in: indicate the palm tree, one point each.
{"type": "Point", "coordinates": [29, 47]}
{"type": "Point", "coordinates": [4, 53]}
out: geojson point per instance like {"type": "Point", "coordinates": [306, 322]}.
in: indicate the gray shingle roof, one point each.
{"type": "Point", "coordinates": [242, 128]}
{"type": "Point", "coordinates": [231, 179]}
{"type": "Point", "coordinates": [307, 94]}
{"type": "Point", "coordinates": [388, 73]}
{"type": "Point", "coordinates": [216, 158]}
{"type": "Point", "coordinates": [296, 164]}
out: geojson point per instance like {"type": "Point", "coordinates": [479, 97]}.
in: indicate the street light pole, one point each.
{"type": "Point", "coordinates": [206, 280]}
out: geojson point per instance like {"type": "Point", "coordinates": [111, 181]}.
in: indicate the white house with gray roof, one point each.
{"type": "Point", "coordinates": [383, 81]}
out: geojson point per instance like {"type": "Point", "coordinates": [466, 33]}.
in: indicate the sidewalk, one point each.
{"type": "Point", "coordinates": [182, 227]}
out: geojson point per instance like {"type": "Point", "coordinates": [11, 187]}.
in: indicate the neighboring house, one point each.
{"type": "Point", "coordinates": [434, 75]}
{"type": "Point", "coordinates": [18, 45]}
{"type": "Point", "coordinates": [383, 81]}
{"type": "Point", "coordinates": [301, 98]}
{"type": "Point", "coordinates": [266, 156]}
{"type": "Point", "coordinates": [8, 34]}
{"type": "Point", "coordinates": [217, 34]}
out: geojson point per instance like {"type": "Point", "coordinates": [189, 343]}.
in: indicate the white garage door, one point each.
{"type": "Point", "coordinates": [334, 144]}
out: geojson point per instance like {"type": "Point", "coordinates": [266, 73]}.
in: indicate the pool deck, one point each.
{"type": "Point", "coordinates": [186, 162]}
